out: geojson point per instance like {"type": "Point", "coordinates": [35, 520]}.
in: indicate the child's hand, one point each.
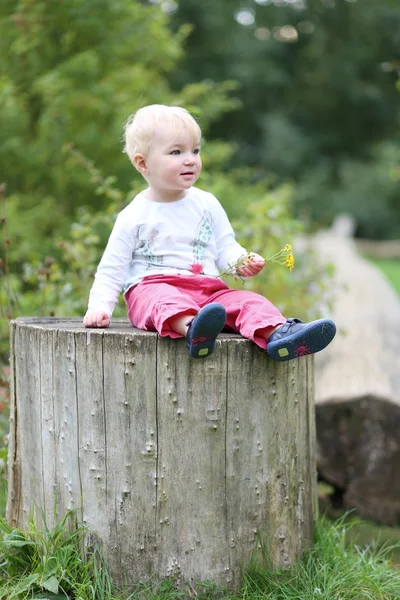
{"type": "Point", "coordinates": [96, 318]}
{"type": "Point", "coordinates": [253, 264]}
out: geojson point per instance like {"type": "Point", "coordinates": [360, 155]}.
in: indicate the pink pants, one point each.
{"type": "Point", "coordinates": [159, 298]}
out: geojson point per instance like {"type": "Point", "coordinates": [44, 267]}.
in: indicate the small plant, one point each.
{"type": "Point", "coordinates": [45, 564]}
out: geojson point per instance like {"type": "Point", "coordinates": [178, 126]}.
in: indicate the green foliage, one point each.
{"type": "Point", "coordinates": [56, 283]}
{"type": "Point", "coordinates": [66, 76]}
{"type": "Point", "coordinates": [73, 75]}
{"type": "Point", "coordinates": [48, 564]}
{"type": "Point", "coordinates": [318, 97]}
{"type": "Point", "coordinates": [367, 190]}
{"type": "Point", "coordinates": [325, 81]}
{"type": "Point", "coordinates": [331, 569]}
{"type": "Point", "coordinates": [45, 563]}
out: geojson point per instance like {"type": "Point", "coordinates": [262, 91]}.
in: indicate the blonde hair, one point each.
{"type": "Point", "coordinates": [141, 126]}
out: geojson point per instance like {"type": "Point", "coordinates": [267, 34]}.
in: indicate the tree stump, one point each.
{"type": "Point", "coordinates": [180, 467]}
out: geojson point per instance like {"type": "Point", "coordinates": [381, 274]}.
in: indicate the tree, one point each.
{"type": "Point", "coordinates": [74, 74]}
{"type": "Point", "coordinates": [321, 68]}
{"type": "Point", "coordinates": [317, 89]}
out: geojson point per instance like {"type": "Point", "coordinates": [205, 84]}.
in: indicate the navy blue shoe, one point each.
{"type": "Point", "coordinates": [204, 328]}
{"type": "Point", "coordinates": [295, 338]}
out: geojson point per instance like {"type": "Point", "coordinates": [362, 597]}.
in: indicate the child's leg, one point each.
{"type": "Point", "coordinates": [174, 311]}
{"type": "Point", "coordinates": [257, 319]}
{"type": "Point", "coordinates": [181, 323]}
{"type": "Point", "coordinates": [157, 306]}
{"type": "Point", "coordinates": [249, 314]}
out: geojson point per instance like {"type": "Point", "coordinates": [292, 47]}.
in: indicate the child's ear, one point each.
{"type": "Point", "coordinates": [139, 162]}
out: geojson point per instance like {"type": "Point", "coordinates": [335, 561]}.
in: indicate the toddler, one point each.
{"type": "Point", "coordinates": [169, 244]}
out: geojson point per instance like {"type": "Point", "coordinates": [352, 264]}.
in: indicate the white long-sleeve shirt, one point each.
{"type": "Point", "coordinates": [156, 238]}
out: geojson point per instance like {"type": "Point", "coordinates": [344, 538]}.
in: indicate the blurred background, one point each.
{"type": "Point", "coordinates": [299, 105]}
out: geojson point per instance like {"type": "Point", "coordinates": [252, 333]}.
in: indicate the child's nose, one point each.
{"type": "Point", "coordinates": [189, 159]}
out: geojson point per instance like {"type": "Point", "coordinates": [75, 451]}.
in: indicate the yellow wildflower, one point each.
{"type": "Point", "coordinates": [289, 262]}
{"type": "Point", "coordinates": [283, 257]}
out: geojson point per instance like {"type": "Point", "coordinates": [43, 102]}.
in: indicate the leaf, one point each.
{"type": "Point", "coordinates": [50, 596]}
{"type": "Point", "coordinates": [51, 584]}
{"type": "Point", "coordinates": [17, 543]}
{"type": "Point", "coordinates": [50, 568]}
{"type": "Point", "coordinates": [5, 526]}
{"type": "Point", "coordinates": [24, 585]}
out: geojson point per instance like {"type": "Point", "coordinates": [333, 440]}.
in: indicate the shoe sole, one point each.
{"type": "Point", "coordinates": [309, 340]}
{"type": "Point", "coordinates": [210, 321]}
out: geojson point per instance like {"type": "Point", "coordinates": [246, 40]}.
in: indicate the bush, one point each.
{"type": "Point", "coordinates": [367, 190]}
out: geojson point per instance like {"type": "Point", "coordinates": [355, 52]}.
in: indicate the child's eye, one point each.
{"type": "Point", "coordinates": [197, 151]}
{"type": "Point", "coordinates": [176, 152]}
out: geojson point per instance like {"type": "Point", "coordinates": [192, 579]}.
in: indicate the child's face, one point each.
{"type": "Point", "coordinates": [173, 163]}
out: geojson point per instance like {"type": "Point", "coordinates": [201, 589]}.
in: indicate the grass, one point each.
{"type": "Point", "coordinates": [360, 531]}
{"type": "Point", "coordinates": [391, 268]}
{"type": "Point", "coordinates": [364, 533]}
{"type": "Point", "coordinates": [333, 569]}
{"type": "Point", "coordinates": [47, 564]}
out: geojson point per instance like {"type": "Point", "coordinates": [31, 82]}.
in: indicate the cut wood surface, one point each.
{"type": "Point", "coordinates": [358, 384]}
{"type": "Point", "coordinates": [178, 467]}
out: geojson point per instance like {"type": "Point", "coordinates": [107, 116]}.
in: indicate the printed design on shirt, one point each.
{"type": "Point", "coordinates": [146, 235]}
{"type": "Point", "coordinates": [202, 237]}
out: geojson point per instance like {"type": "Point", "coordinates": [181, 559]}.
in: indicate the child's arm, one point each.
{"type": "Point", "coordinates": [110, 275]}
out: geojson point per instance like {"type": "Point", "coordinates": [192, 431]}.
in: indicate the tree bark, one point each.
{"type": "Point", "coordinates": [180, 467]}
